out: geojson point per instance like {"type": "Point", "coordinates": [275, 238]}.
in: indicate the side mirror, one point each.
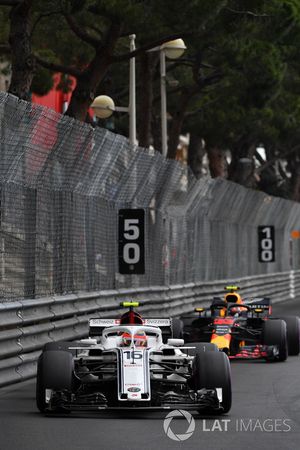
{"type": "Point", "coordinates": [175, 342]}
{"type": "Point", "coordinates": [89, 341]}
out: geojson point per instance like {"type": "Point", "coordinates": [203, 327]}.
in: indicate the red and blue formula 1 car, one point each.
{"type": "Point", "coordinates": [244, 329]}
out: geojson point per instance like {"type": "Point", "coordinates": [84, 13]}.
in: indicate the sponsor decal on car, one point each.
{"type": "Point", "coordinates": [133, 389]}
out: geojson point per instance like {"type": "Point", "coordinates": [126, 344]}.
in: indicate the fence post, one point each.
{"type": "Point", "coordinates": [90, 242]}
{"type": "Point", "coordinates": [2, 271]}
{"type": "Point", "coordinates": [68, 241]}
{"type": "Point", "coordinates": [30, 242]}
{"type": "Point", "coordinates": [57, 242]}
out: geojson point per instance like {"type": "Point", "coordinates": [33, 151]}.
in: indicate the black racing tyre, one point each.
{"type": "Point", "coordinates": [201, 347]}
{"type": "Point", "coordinates": [177, 329]}
{"type": "Point", "coordinates": [293, 334]}
{"type": "Point", "coordinates": [40, 389]}
{"type": "Point", "coordinates": [275, 333]}
{"type": "Point", "coordinates": [212, 370]}
{"type": "Point", "coordinates": [55, 371]}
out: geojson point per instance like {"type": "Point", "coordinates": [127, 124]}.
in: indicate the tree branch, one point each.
{"type": "Point", "coordinates": [272, 160]}
{"type": "Point", "coordinates": [9, 2]}
{"type": "Point", "coordinates": [40, 17]}
{"type": "Point", "coordinates": [259, 158]}
{"type": "Point", "coordinates": [96, 29]}
{"type": "Point", "coordinates": [4, 49]}
{"type": "Point", "coordinates": [248, 13]}
{"type": "Point", "coordinates": [58, 67]}
{"type": "Point", "coordinates": [79, 32]}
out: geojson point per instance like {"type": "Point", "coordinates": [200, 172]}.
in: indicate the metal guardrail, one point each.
{"type": "Point", "coordinates": [25, 326]}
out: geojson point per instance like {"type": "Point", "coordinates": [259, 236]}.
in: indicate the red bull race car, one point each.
{"type": "Point", "coordinates": [126, 363]}
{"type": "Point", "coordinates": [244, 329]}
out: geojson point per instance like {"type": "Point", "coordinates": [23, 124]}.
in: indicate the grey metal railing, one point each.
{"type": "Point", "coordinates": [27, 325]}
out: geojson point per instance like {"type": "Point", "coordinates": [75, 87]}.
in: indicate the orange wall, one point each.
{"type": "Point", "coordinates": [54, 99]}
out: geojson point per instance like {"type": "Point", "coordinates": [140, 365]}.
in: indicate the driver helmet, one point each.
{"type": "Point", "coordinates": [126, 339]}
{"type": "Point", "coordinates": [140, 339]}
{"type": "Point", "coordinates": [233, 298]}
{"type": "Point", "coordinates": [131, 317]}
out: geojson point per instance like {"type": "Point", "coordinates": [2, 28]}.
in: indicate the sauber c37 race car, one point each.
{"type": "Point", "coordinates": [125, 364]}
{"type": "Point", "coordinates": [244, 329]}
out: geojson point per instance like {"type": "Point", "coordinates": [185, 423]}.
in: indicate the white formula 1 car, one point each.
{"type": "Point", "coordinates": [125, 364]}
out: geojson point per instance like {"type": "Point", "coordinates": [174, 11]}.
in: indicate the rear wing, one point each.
{"type": "Point", "coordinates": [96, 326]}
{"type": "Point", "coordinates": [260, 303]}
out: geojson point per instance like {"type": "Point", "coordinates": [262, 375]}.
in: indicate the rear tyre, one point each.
{"type": "Point", "coordinates": [275, 333]}
{"type": "Point", "coordinates": [293, 334]}
{"type": "Point", "coordinates": [211, 369]}
{"type": "Point", "coordinates": [201, 347]}
{"type": "Point", "coordinates": [40, 393]}
{"type": "Point", "coordinates": [54, 371]}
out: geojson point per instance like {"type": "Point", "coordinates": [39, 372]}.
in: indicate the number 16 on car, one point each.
{"type": "Point", "coordinates": [131, 241]}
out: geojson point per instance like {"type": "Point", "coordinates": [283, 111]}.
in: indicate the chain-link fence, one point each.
{"type": "Point", "coordinates": [62, 184]}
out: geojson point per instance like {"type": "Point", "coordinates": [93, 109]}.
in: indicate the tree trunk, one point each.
{"type": "Point", "coordinates": [295, 182]}
{"type": "Point", "coordinates": [22, 59]}
{"type": "Point", "coordinates": [146, 98]}
{"type": "Point", "coordinates": [156, 132]}
{"type": "Point", "coordinates": [177, 121]}
{"type": "Point", "coordinates": [241, 169]}
{"type": "Point", "coordinates": [91, 77]}
{"type": "Point", "coordinates": [196, 152]}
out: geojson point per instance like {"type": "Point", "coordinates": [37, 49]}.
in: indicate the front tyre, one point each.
{"type": "Point", "coordinates": [293, 334]}
{"type": "Point", "coordinates": [61, 345]}
{"type": "Point", "coordinates": [275, 333]}
{"type": "Point", "coordinates": [55, 371]}
{"type": "Point", "coordinates": [211, 370]}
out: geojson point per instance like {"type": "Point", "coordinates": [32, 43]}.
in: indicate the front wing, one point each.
{"type": "Point", "coordinates": [207, 402]}
{"type": "Point", "coordinates": [257, 351]}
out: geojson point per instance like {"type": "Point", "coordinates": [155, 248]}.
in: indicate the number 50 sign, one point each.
{"type": "Point", "coordinates": [266, 244]}
{"type": "Point", "coordinates": [131, 241]}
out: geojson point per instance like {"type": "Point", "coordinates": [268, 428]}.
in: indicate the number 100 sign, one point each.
{"type": "Point", "coordinates": [131, 241]}
{"type": "Point", "coordinates": [266, 244]}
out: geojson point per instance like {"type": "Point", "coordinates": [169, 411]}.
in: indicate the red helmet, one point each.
{"type": "Point", "coordinates": [131, 317]}
{"type": "Point", "coordinates": [126, 339]}
{"type": "Point", "coordinates": [139, 339]}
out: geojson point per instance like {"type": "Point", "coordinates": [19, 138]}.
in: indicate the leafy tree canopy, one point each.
{"type": "Point", "coordinates": [237, 86]}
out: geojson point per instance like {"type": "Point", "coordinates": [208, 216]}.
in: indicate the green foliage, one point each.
{"type": "Point", "coordinates": [42, 82]}
{"type": "Point", "coordinates": [256, 65]}
{"type": "Point", "coordinates": [65, 84]}
{"type": "Point", "coordinates": [242, 61]}
{"type": "Point", "coordinates": [65, 46]}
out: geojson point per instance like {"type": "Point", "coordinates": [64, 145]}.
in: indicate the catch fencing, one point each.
{"type": "Point", "coordinates": [62, 184]}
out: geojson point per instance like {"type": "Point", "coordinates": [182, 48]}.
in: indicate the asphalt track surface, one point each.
{"type": "Point", "coordinates": [265, 415]}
